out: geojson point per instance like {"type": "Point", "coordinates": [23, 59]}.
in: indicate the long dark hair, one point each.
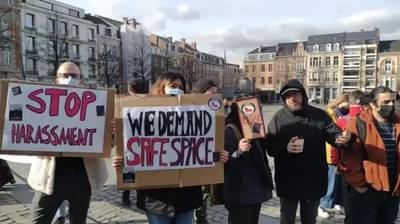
{"type": "Point", "coordinates": [164, 79]}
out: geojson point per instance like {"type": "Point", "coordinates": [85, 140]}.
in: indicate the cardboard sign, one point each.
{"type": "Point", "coordinates": [169, 141]}
{"type": "Point", "coordinates": [55, 120]}
{"type": "Point", "coordinates": [251, 118]}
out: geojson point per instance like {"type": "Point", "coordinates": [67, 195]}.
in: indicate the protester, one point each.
{"type": "Point", "coordinates": [372, 163]}
{"type": "Point", "coordinates": [338, 108]}
{"type": "Point", "coordinates": [248, 179]}
{"type": "Point", "coordinates": [168, 205]}
{"type": "Point", "coordinates": [347, 193]}
{"type": "Point", "coordinates": [56, 179]}
{"type": "Point", "coordinates": [296, 139]}
{"type": "Point", "coordinates": [204, 86]}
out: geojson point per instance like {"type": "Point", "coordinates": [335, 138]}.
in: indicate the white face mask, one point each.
{"type": "Point", "coordinates": [68, 81]}
{"type": "Point", "coordinates": [173, 91]}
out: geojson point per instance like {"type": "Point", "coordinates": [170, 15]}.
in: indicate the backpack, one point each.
{"type": "Point", "coordinates": [217, 190]}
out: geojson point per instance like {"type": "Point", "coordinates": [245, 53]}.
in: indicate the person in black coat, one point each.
{"type": "Point", "coordinates": [296, 139]}
{"type": "Point", "coordinates": [248, 180]}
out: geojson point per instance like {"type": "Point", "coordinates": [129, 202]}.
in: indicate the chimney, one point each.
{"type": "Point", "coordinates": [183, 43]}
{"type": "Point", "coordinates": [259, 48]}
{"type": "Point", "coordinates": [194, 45]}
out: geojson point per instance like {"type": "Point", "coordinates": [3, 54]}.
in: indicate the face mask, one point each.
{"type": "Point", "coordinates": [173, 91]}
{"type": "Point", "coordinates": [386, 111]}
{"type": "Point", "coordinates": [68, 81]}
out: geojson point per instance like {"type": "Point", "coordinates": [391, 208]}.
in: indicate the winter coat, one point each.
{"type": "Point", "coordinates": [301, 176]}
{"type": "Point", "coordinates": [42, 173]}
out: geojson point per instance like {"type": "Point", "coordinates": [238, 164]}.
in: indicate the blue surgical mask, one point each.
{"type": "Point", "coordinates": [68, 81]}
{"type": "Point", "coordinates": [173, 91]}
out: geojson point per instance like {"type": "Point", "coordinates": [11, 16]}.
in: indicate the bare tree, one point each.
{"type": "Point", "coordinates": [186, 66]}
{"type": "Point", "coordinates": [108, 65]}
{"type": "Point", "coordinates": [139, 59]}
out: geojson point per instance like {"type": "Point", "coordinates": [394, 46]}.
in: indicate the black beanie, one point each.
{"type": "Point", "coordinates": [202, 85]}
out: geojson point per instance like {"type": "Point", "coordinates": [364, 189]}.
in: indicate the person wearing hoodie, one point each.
{"type": "Point", "coordinates": [296, 139]}
{"type": "Point", "coordinates": [56, 179]}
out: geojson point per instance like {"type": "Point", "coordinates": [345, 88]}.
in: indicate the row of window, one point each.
{"type": "Point", "coordinates": [328, 47]}
{"type": "Point", "coordinates": [262, 68]}
{"type": "Point", "coordinates": [55, 48]}
{"type": "Point", "coordinates": [269, 80]}
{"type": "Point", "coordinates": [31, 68]}
{"type": "Point", "coordinates": [61, 27]}
{"type": "Point", "coordinates": [5, 57]}
{"type": "Point", "coordinates": [317, 61]}
{"type": "Point", "coordinates": [316, 77]}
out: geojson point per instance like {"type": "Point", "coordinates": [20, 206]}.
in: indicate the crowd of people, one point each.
{"type": "Point", "coordinates": [343, 157]}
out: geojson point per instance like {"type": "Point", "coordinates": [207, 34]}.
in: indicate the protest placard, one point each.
{"type": "Point", "coordinates": [251, 118]}
{"type": "Point", "coordinates": [54, 120]}
{"type": "Point", "coordinates": [169, 141]}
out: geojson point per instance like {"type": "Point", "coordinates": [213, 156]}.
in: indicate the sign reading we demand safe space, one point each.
{"type": "Point", "coordinates": [45, 119]}
{"type": "Point", "coordinates": [170, 141]}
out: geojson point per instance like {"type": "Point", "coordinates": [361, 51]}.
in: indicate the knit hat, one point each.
{"type": "Point", "coordinates": [202, 85]}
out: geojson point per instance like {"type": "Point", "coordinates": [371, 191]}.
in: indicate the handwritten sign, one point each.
{"type": "Point", "coordinates": [251, 118]}
{"type": "Point", "coordinates": [53, 119]}
{"type": "Point", "coordinates": [169, 141]}
{"type": "Point", "coordinates": [171, 137]}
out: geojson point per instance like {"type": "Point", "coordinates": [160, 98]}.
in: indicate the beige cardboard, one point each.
{"type": "Point", "coordinates": [107, 135]}
{"type": "Point", "coordinates": [251, 118]}
{"type": "Point", "coordinates": [170, 178]}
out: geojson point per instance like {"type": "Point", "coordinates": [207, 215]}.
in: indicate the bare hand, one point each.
{"type": "Point", "coordinates": [293, 146]}
{"type": "Point", "coordinates": [244, 145]}
{"type": "Point", "coordinates": [117, 162]}
{"type": "Point", "coordinates": [344, 137]}
{"type": "Point", "coordinates": [224, 156]}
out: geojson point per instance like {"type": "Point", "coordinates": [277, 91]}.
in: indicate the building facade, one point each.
{"type": "Point", "coordinates": [10, 40]}
{"type": "Point", "coordinates": [324, 66]}
{"type": "Point", "coordinates": [54, 32]}
{"type": "Point", "coordinates": [388, 64]}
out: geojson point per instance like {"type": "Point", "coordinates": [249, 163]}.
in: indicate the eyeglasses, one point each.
{"type": "Point", "coordinates": [66, 75]}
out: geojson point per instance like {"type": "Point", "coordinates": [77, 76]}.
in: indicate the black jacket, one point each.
{"type": "Point", "coordinates": [248, 178]}
{"type": "Point", "coordinates": [169, 201]}
{"type": "Point", "coordinates": [304, 175]}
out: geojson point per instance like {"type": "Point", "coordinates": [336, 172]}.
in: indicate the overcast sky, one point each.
{"type": "Point", "coordinates": [240, 26]}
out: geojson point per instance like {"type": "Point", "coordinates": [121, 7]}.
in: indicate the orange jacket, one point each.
{"type": "Point", "coordinates": [372, 170]}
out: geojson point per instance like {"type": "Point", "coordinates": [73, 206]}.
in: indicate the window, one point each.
{"type": "Point", "coordinates": [172, 47]}
{"type": "Point", "coordinates": [75, 30]}
{"type": "Point", "coordinates": [270, 80]}
{"type": "Point", "coordinates": [92, 71]}
{"type": "Point", "coordinates": [246, 68]}
{"type": "Point", "coordinates": [51, 25]}
{"type": "Point", "coordinates": [5, 57]}
{"type": "Point", "coordinates": [327, 76]}
{"type": "Point", "coordinates": [335, 77]}
{"type": "Point", "coordinates": [253, 68]}
{"type": "Point", "coordinates": [64, 49]}
{"type": "Point", "coordinates": [336, 47]}
{"type": "Point", "coordinates": [91, 34]}
{"type": "Point", "coordinates": [51, 68]}
{"type": "Point", "coordinates": [328, 47]}
{"type": "Point", "coordinates": [52, 47]}
{"type": "Point", "coordinates": [262, 80]}
{"type": "Point", "coordinates": [315, 62]}
{"type": "Point", "coordinates": [29, 20]}
{"type": "Point", "coordinates": [262, 68]}
{"type": "Point", "coordinates": [253, 80]}
{"type": "Point", "coordinates": [388, 66]}
{"type": "Point", "coordinates": [75, 50]}
{"type": "Point", "coordinates": [31, 66]}
{"type": "Point", "coordinates": [316, 48]}
{"type": "Point", "coordinates": [334, 93]}
{"type": "Point", "coordinates": [328, 61]}
{"type": "Point", "coordinates": [299, 66]}
{"type": "Point", "coordinates": [92, 53]}
{"type": "Point", "coordinates": [30, 44]}
{"type": "Point", "coordinates": [269, 67]}
{"type": "Point", "coordinates": [107, 32]}
{"type": "Point", "coordinates": [73, 13]}
{"type": "Point", "coordinates": [63, 28]}
{"type": "Point", "coordinates": [336, 60]}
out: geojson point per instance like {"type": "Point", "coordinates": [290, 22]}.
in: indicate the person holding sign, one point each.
{"type": "Point", "coordinates": [168, 205]}
{"type": "Point", "coordinates": [73, 179]}
{"type": "Point", "coordinates": [248, 179]}
{"type": "Point", "coordinates": [296, 139]}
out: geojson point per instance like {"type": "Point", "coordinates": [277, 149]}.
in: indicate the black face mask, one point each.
{"type": "Point", "coordinates": [386, 111]}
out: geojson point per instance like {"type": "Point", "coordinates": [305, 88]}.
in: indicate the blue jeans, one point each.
{"type": "Point", "coordinates": [182, 218]}
{"type": "Point", "coordinates": [374, 207]}
{"type": "Point", "coordinates": [327, 201]}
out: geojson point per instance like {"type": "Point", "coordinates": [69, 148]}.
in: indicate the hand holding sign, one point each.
{"type": "Point", "coordinates": [224, 156]}
{"type": "Point", "coordinates": [244, 145]}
